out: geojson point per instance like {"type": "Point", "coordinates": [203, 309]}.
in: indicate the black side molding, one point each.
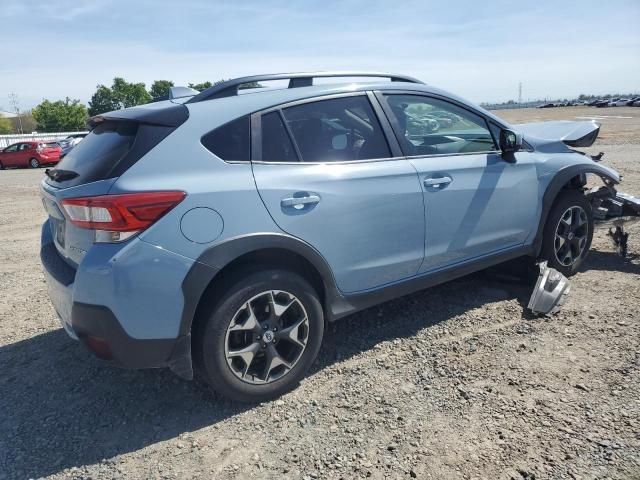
{"type": "Point", "coordinates": [99, 321]}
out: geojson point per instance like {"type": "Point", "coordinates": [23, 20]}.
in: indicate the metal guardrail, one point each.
{"type": "Point", "coordinates": [6, 140]}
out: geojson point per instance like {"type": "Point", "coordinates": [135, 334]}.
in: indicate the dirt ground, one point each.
{"type": "Point", "coordinates": [458, 381]}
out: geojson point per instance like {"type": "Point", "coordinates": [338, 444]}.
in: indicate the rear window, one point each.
{"type": "Point", "coordinates": [231, 141]}
{"type": "Point", "coordinates": [100, 151]}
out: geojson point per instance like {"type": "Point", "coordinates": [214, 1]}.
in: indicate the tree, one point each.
{"type": "Point", "coordinates": [201, 86]}
{"type": "Point", "coordinates": [160, 88]}
{"type": "Point", "coordinates": [60, 116]}
{"type": "Point", "coordinates": [102, 101]}
{"type": "Point", "coordinates": [122, 94]}
{"type": "Point", "coordinates": [5, 126]}
{"type": "Point", "coordinates": [25, 121]}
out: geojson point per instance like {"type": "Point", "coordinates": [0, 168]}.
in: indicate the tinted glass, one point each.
{"type": "Point", "coordinates": [100, 151]}
{"type": "Point", "coordinates": [231, 141]}
{"type": "Point", "coordinates": [276, 144]}
{"type": "Point", "coordinates": [428, 126]}
{"type": "Point", "coordinates": [11, 148]}
{"type": "Point", "coordinates": [340, 129]}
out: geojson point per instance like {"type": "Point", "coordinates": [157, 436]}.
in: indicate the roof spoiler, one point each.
{"type": "Point", "coordinates": [230, 87]}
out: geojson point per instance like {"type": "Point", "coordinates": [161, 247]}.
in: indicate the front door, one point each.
{"type": "Point", "coordinates": [476, 203]}
{"type": "Point", "coordinates": [324, 172]}
{"type": "Point", "coordinates": [9, 155]}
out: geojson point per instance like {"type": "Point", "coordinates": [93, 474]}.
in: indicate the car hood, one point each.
{"type": "Point", "coordinates": [574, 134]}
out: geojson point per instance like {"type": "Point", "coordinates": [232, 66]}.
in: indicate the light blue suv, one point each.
{"type": "Point", "coordinates": [229, 226]}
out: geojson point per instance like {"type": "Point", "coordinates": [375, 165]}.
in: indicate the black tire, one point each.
{"type": "Point", "coordinates": [570, 199]}
{"type": "Point", "coordinates": [34, 163]}
{"type": "Point", "coordinates": [210, 334]}
{"type": "Point", "coordinates": [1, 166]}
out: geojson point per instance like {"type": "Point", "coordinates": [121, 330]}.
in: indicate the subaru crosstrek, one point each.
{"type": "Point", "coordinates": [226, 228]}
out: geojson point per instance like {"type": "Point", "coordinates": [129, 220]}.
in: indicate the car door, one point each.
{"type": "Point", "coordinates": [476, 203]}
{"type": "Point", "coordinates": [23, 155]}
{"type": "Point", "coordinates": [8, 157]}
{"type": "Point", "coordinates": [327, 176]}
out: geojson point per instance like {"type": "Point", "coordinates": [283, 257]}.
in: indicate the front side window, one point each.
{"type": "Point", "coordinates": [231, 141]}
{"type": "Point", "coordinates": [429, 126]}
{"type": "Point", "coordinates": [335, 130]}
{"type": "Point", "coordinates": [11, 148]}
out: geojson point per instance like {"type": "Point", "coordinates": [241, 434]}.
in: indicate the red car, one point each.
{"type": "Point", "coordinates": [29, 154]}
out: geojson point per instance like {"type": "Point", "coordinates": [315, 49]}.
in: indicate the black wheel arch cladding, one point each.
{"type": "Point", "coordinates": [561, 179]}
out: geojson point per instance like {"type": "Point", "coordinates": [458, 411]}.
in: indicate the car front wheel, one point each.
{"type": "Point", "coordinates": [34, 163]}
{"type": "Point", "coordinates": [259, 339]}
{"type": "Point", "coordinates": [568, 232]}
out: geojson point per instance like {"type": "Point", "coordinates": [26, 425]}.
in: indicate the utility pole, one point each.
{"type": "Point", "coordinates": [520, 92]}
{"type": "Point", "coordinates": [13, 100]}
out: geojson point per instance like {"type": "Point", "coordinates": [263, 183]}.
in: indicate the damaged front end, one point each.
{"type": "Point", "coordinates": [614, 210]}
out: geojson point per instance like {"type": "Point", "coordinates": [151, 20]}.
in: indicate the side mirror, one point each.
{"type": "Point", "coordinates": [510, 141]}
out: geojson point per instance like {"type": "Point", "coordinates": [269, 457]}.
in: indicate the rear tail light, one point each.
{"type": "Point", "coordinates": [118, 217]}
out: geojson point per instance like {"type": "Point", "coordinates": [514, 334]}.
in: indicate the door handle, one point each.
{"type": "Point", "coordinates": [437, 182]}
{"type": "Point", "coordinates": [299, 202]}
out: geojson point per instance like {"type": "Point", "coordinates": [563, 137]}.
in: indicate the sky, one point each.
{"type": "Point", "coordinates": [479, 50]}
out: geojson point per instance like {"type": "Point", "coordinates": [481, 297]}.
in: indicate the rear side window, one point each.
{"type": "Point", "coordinates": [340, 129]}
{"type": "Point", "coordinates": [276, 144]}
{"type": "Point", "coordinates": [100, 151]}
{"type": "Point", "coordinates": [231, 141]}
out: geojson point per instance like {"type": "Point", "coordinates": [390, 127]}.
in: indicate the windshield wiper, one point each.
{"type": "Point", "coordinates": [58, 175]}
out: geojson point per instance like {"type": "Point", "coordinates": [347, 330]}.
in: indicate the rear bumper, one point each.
{"type": "Point", "coordinates": [124, 302]}
{"type": "Point", "coordinates": [98, 328]}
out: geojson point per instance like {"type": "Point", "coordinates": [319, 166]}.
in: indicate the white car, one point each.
{"type": "Point", "coordinates": [618, 102]}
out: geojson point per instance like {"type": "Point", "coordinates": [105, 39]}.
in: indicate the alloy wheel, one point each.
{"type": "Point", "coordinates": [571, 235]}
{"type": "Point", "coordinates": [266, 337]}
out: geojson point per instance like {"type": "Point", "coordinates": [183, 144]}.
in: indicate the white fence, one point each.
{"type": "Point", "coordinates": [6, 140]}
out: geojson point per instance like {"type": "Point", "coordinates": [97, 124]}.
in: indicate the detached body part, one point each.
{"type": "Point", "coordinates": [224, 229]}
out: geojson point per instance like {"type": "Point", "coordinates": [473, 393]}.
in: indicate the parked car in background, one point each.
{"type": "Point", "coordinates": [636, 103]}
{"type": "Point", "coordinates": [618, 102]}
{"type": "Point", "coordinates": [547, 105]}
{"type": "Point", "coordinates": [29, 154]}
{"type": "Point", "coordinates": [633, 101]}
{"type": "Point", "coordinates": [602, 103]}
{"type": "Point", "coordinates": [69, 142]}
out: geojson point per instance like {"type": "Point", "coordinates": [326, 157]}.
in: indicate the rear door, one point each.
{"type": "Point", "coordinates": [24, 154]}
{"type": "Point", "coordinates": [327, 175]}
{"type": "Point", "coordinates": [476, 203]}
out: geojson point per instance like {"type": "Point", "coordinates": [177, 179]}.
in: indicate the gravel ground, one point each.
{"type": "Point", "coordinates": [458, 381]}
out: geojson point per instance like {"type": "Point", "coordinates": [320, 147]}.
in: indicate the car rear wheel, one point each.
{"type": "Point", "coordinates": [260, 338]}
{"type": "Point", "coordinates": [568, 232]}
{"type": "Point", "coordinates": [34, 163]}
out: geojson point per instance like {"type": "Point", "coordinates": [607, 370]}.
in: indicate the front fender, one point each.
{"type": "Point", "coordinates": [559, 180]}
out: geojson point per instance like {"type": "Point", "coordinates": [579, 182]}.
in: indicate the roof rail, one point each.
{"type": "Point", "coordinates": [230, 87]}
